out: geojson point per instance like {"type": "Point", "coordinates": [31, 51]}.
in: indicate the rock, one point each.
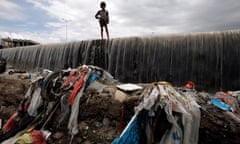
{"type": "Point", "coordinates": [106, 122]}
{"type": "Point", "coordinates": [120, 96]}
{"type": "Point", "coordinates": [83, 126]}
{"type": "Point", "coordinates": [79, 140]}
{"type": "Point", "coordinates": [110, 134]}
{"type": "Point", "coordinates": [2, 108]}
{"type": "Point", "coordinates": [58, 135]}
{"type": "Point", "coordinates": [97, 124]}
{"type": "Point", "coordinates": [110, 90]}
{"type": "Point", "coordinates": [87, 142]}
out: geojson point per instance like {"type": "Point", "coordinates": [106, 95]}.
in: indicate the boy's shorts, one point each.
{"type": "Point", "coordinates": [102, 23]}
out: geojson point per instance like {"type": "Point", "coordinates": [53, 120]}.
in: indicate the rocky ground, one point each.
{"type": "Point", "coordinates": [101, 119]}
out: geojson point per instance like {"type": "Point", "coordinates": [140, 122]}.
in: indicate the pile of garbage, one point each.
{"type": "Point", "coordinates": [220, 117]}
{"type": "Point", "coordinates": [87, 105]}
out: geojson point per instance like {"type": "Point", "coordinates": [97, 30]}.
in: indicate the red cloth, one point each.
{"type": "Point", "coordinates": [77, 87]}
{"type": "Point", "coordinates": [11, 123]}
{"type": "Point", "coordinates": [73, 76]}
{"type": "Point", "coordinates": [37, 137]}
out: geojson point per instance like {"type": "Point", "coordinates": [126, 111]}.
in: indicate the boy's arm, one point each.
{"type": "Point", "coordinates": [96, 15]}
{"type": "Point", "coordinates": [107, 19]}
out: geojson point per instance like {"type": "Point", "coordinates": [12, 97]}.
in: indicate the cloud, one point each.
{"type": "Point", "coordinates": [214, 16]}
{"type": "Point", "coordinates": [127, 18]}
{"type": "Point", "coordinates": [11, 11]}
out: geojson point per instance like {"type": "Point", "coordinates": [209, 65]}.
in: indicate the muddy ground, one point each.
{"type": "Point", "coordinates": [100, 118]}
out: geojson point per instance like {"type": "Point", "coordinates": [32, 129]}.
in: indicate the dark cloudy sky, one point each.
{"type": "Point", "coordinates": [46, 20]}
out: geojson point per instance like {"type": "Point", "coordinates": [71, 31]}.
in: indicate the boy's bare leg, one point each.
{"type": "Point", "coordinates": [102, 32]}
{"type": "Point", "coordinates": [107, 32]}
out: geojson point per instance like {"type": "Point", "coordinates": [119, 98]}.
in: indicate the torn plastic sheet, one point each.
{"type": "Point", "coordinates": [181, 113]}
{"type": "Point", "coordinates": [218, 103]}
{"type": "Point", "coordinates": [36, 101]}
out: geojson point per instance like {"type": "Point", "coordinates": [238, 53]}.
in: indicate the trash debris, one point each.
{"type": "Point", "coordinates": [190, 85]}
{"type": "Point", "coordinates": [10, 124]}
{"type": "Point", "coordinates": [217, 125]}
{"type": "Point", "coordinates": [182, 118]}
{"type": "Point", "coordinates": [34, 137]}
{"type": "Point", "coordinates": [129, 87]}
{"type": "Point", "coordinates": [218, 103]}
{"type": "Point", "coordinates": [229, 100]}
{"type": "Point", "coordinates": [26, 76]}
{"type": "Point", "coordinates": [87, 105]}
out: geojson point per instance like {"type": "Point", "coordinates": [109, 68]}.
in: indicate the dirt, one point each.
{"type": "Point", "coordinates": [101, 120]}
{"type": "Point", "coordinates": [11, 94]}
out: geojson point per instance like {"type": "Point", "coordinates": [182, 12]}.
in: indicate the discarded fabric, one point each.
{"type": "Point", "coordinates": [33, 137]}
{"type": "Point", "coordinates": [178, 113]}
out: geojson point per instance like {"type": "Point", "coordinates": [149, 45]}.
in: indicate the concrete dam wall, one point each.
{"type": "Point", "coordinates": [210, 60]}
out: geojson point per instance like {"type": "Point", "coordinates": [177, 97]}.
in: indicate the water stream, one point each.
{"type": "Point", "coordinates": [211, 60]}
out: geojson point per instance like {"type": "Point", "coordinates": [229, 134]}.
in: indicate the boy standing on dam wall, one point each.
{"type": "Point", "coordinates": [103, 17]}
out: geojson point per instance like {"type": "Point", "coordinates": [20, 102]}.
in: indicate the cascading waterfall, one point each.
{"type": "Point", "coordinates": [211, 60]}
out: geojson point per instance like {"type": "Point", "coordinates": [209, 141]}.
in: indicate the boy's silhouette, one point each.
{"type": "Point", "coordinates": [103, 17]}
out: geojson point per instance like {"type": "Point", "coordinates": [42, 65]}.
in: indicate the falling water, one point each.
{"type": "Point", "coordinates": [211, 60]}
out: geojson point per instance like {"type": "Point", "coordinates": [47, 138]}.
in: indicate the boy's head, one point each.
{"type": "Point", "coordinates": [102, 4]}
